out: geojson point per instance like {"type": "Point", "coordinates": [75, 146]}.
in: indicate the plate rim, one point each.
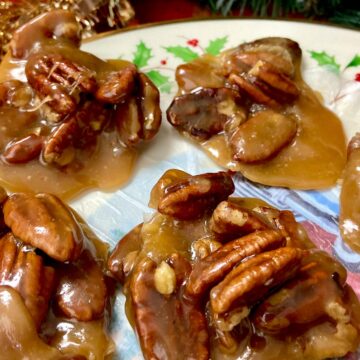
{"type": "Point", "coordinates": [137, 27]}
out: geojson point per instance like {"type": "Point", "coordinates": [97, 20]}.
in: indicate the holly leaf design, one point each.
{"type": "Point", "coordinates": [216, 45]}
{"type": "Point", "coordinates": [355, 61]}
{"type": "Point", "coordinates": [142, 55]}
{"type": "Point", "coordinates": [160, 80]}
{"type": "Point", "coordinates": [182, 52]}
{"type": "Point", "coordinates": [324, 59]}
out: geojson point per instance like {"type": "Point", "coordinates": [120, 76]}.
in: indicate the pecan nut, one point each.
{"type": "Point", "coordinates": [281, 53]}
{"type": "Point", "coordinates": [304, 300]}
{"type": "Point", "coordinates": [262, 136]}
{"type": "Point", "coordinates": [122, 259]}
{"type": "Point", "coordinates": [139, 118]}
{"type": "Point", "coordinates": [265, 84]}
{"type": "Point", "coordinates": [211, 269]}
{"type": "Point", "coordinates": [230, 220]}
{"type": "Point", "coordinates": [44, 222]}
{"type": "Point", "coordinates": [117, 86]}
{"type": "Point", "coordinates": [253, 278]}
{"type": "Point", "coordinates": [205, 111]}
{"type": "Point", "coordinates": [23, 150]}
{"type": "Point", "coordinates": [78, 131]}
{"type": "Point", "coordinates": [167, 325]}
{"type": "Point", "coordinates": [170, 177]}
{"type": "Point", "coordinates": [58, 148]}
{"type": "Point", "coordinates": [56, 24]}
{"type": "Point", "coordinates": [81, 292]}
{"type": "Point", "coordinates": [192, 197]}
{"type": "Point", "coordinates": [23, 270]}
{"type": "Point", "coordinates": [58, 78]}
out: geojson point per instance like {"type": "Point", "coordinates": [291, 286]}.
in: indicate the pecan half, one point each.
{"type": "Point", "coordinates": [56, 77]}
{"type": "Point", "coordinates": [122, 259]}
{"type": "Point", "coordinates": [249, 281]}
{"type": "Point", "coordinates": [319, 283]}
{"type": "Point", "coordinates": [191, 198]}
{"type": "Point", "coordinates": [43, 221]}
{"type": "Point", "coordinates": [58, 148]}
{"type": "Point", "coordinates": [205, 111]}
{"type": "Point", "coordinates": [262, 137]}
{"type": "Point", "coordinates": [302, 301]}
{"type": "Point", "coordinates": [139, 118]}
{"type": "Point", "coordinates": [169, 327]}
{"type": "Point", "coordinates": [117, 86]}
{"type": "Point", "coordinates": [24, 271]}
{"type": "Point", "coordinates": [211, 269]}
{"type": "Point", "coordinates": [56, 24]}
{"type": "Point", "coordinates": [265, 84]}
{"type": "Point", "coordinates": [230, 220]}
{"type": "Point", "coordinates": [23, 150]}
{"type": "Point", "coordinates": [78, 131]}
{"type": "Point", "coordinates": [81, 292]}
{"type": "Point", "coordinates": [281, 53]}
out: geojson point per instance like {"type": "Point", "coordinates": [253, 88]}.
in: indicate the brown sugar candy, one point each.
{"type": "Point", "coordinates": [51, 276]}
{"type": "Point", "coordinates": [71, 116]}
{"type": "Point", "coordinates": [250, 110]}
{"type": "Point", "coordinates": [231, 279]}
{"type": "Point", "coordinates": [349, 197]}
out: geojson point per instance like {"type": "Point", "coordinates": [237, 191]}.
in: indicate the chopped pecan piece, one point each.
{"type": "Point", "coordinates": [139, 117]}
{"type": "Point", "coordinates": [24, 271]}
{"type": "Point", "coordinates": [23, 150]}
{"type": "Point", "coordinates": [122, 259]}
{"type": "Point", "coordinates": [117, 86]}
{"type": "Point", "coordinates": [81, 292]}
{"type": "Point", "coordinates": [191, 198]}
{"type": "Point", "coordinates": [56, 24]}
{"type": "Point", "coordinates": [43, 221]}
{"type": "Point", "coordinates": [15, 93]}
{"type": "Point", "coordinates": [205, 111]}
{"type": "Point", "coordinates": [211, 269]}
{"type": "Point", "coordinates": [262, 136]}
{"type": "Point", "coordinates": [56, 77]}
{"type": "Point", "coordinates": [230, 220]}
{"type": "Point", "coordinates": [249, 281]}
{"type": "Point", "coordinates": [203, 247]}
{"type": "Point", "coordinates": [169, 325]}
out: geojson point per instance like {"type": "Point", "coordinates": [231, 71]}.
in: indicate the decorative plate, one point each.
{"type": "Point", "coordinates": [331, 65]}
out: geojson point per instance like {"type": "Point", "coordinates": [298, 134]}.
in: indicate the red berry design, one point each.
{"type": "Point", "coordinates": [163, 62]}
{"type": "Point", "coordinates": [193, 42]}
{"type": "Point", "coordinates": [357, 77]}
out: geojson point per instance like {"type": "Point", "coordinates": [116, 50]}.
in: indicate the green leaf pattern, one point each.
{"type": "Point", "coordinates": [142, 55]}
{"type": "Point", "coordinates": [161, 81]}
{"type": "Point", "coordinates": [216, 45]}
{"type": "Point", "coordinates": [355, 61]}
{"type": "Point", "coordinates": [182, 52]}
{"type": "Point", "coordinates": [324, 59]}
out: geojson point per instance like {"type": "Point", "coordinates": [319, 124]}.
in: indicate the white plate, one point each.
{"type": "Point", "coordinates": [327, 53]}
